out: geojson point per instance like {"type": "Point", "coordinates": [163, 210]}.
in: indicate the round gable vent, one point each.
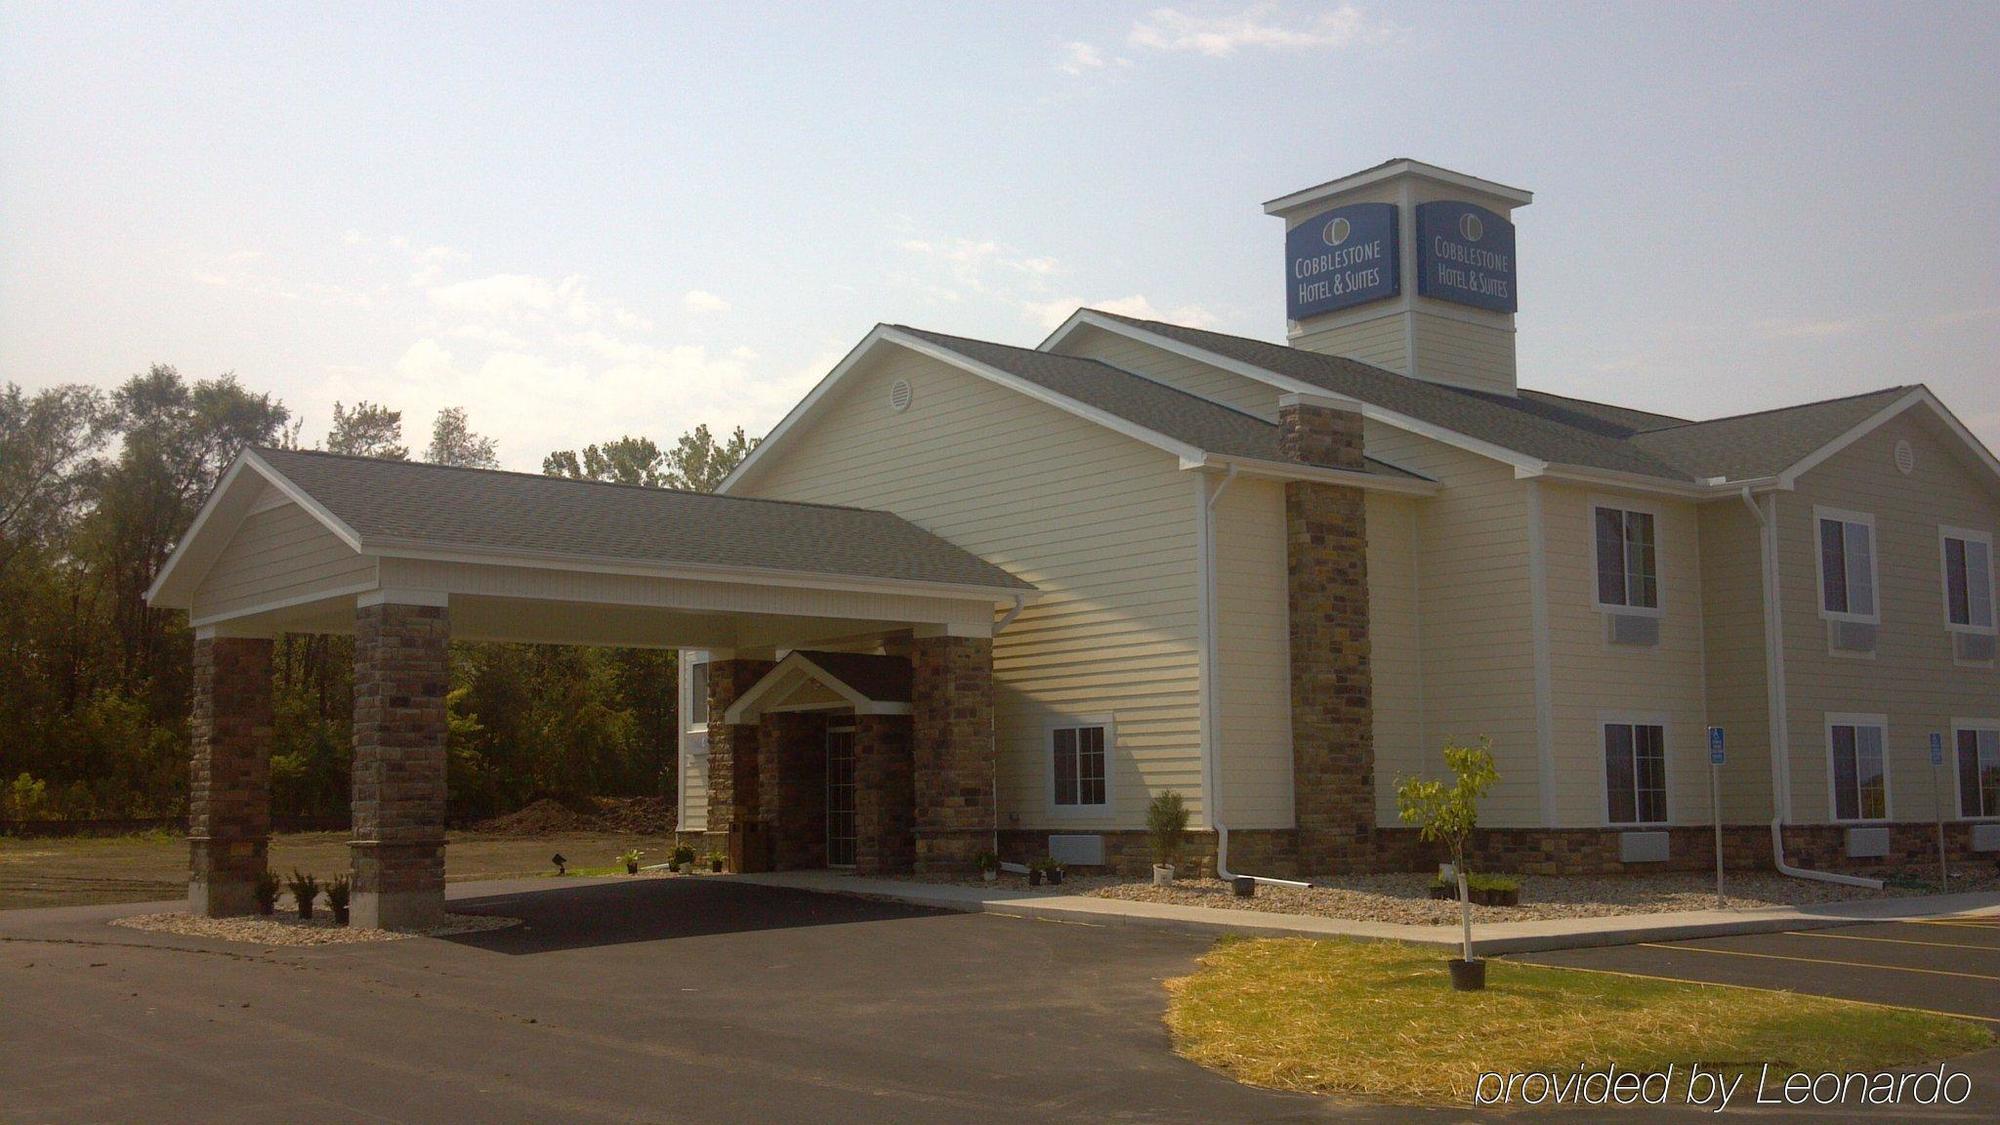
{"type": "Point", "coordinates": [1906, 458]}
{"type": "Point", "coordinates": [899, 395]}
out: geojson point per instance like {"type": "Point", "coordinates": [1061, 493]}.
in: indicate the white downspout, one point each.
{"type": "Point", "coordinates": [1211, 729]}
{"type": "Point", "coordinates": [992, 733]}
{"type": "Point", "coordinates": [1774, 672]}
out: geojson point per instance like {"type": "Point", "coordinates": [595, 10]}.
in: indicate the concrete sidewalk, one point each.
{"type": "Point", "coordinates": [1488, 938]}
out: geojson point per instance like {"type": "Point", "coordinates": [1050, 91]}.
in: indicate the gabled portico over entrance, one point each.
{"type": "Point", "coordinates": [408, 557]}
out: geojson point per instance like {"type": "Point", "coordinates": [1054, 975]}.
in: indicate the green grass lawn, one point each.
{"type": "Point", "coordinates": [80, 870]}
{"type": "Point", "coordinates": [1380, 1020]}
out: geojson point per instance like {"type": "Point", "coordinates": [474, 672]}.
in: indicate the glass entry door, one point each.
{"type": "Point", "coordinates": [840, 797]}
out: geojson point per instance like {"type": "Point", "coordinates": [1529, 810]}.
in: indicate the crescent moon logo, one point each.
{"type": "Point", "coordinates": [1470, 226]}
{"type": "Point", "coordinates": [1336, 232]}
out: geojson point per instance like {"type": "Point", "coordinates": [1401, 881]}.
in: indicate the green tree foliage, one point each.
{"type": "Point", "coordinates": [95, 490]}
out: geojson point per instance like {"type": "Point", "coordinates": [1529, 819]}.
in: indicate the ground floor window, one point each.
{"type": "Point", "coordinates": [1635, 773]}
{"type": "Point", "coordinates": [1979, 771]}
{"type": "Point", "coordinates": [1079, 766]}
{"type": "Point", "coordinates": [1860, 774]}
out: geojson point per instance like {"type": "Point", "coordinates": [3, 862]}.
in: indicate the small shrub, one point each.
{"type": "Point", "coordinates": [988, 861]}
{"type": "Point", "coordinates": [266, 891]}
{"type": "Point", "coordinates": [1166, 823]}
{"type": "Point", "coordinates": [630, 857]}
{"type": "Point", "coordinates": [337, 893]}
{"type": "Point", "coordinates": [683, 853]}
{"type": "Point", "coordinates": [304, 888]}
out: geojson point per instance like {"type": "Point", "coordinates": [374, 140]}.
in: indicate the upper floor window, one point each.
{"type": "Point", "coordinates": [1859, 768]}
{"type": "Point", "coordinates": [697, 695]}
{"type": "Point", "coordinates": [1979, 771]}
{"type": "Point", "coordinates": [1635, 773]}
{"type": "Point", "coordinates": [1628, 573]}
{"type": "Point", "coordinates": [1080, 768]}
{"type": "Point", "coordinates": [1968, 579]}
{"type": "Point", "coordinates": [1847, 565]}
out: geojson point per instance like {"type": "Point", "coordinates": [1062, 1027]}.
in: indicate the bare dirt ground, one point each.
{"type": "Point", "coordinates": [154, 866]}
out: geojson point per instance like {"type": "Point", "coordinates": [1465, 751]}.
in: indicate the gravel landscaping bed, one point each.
{"type": "Point", "coordinates": [280, 930]}
{"type": "Point", "coordinates": [1405, 897]}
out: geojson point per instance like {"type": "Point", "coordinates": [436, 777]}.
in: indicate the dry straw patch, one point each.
{"type": "Point", "coordinates": [1379, 1020]}
{"type": "Point", "coordinates": [277, 930]}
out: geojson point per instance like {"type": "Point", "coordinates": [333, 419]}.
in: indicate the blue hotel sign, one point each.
{"type": "Point", "coordinates": [1341, 258]}
{"type": "Point", "coordinates": [1465, 254]}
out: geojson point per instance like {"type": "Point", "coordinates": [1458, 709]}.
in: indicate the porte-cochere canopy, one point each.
{"type": "Point", "coordinates": [407, 557]}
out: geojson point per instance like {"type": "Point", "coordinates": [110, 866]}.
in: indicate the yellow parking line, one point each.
{"type": "Point", "coordinates": [1758, 988]}
{"type": "Point", "coordinates": [1892, 940]}
{"type": "Point", "coordinates": [1965, 925]}
{"type": "Point", "coordinates": [1819, 961]}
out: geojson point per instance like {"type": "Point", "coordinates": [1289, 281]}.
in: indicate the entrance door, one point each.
{"type": "Point", "coordinates": [840, 797]}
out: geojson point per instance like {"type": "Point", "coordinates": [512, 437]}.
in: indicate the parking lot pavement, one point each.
{"type": "Point", "coordinates": [1939, 965]}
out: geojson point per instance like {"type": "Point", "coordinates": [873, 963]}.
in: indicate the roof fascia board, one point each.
{"type": "Point", "coordinates": [1298, 386]}
{"type": "Point", "coordinates": [1309, 196]}
{"type": "Point", "coordinates": [1284, 470]}
{"type": "Point", "coordinates": [1789, 478]}
{"type": "Point", "coordinates": [804, 409]}
{"type": "Point", "coordinates": [747, 575]}
{"type": "Point", "coordinates": [1581, 474]}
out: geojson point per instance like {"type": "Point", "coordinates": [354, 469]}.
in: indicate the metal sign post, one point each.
{"type": "Point", "coordinates": [1937, 803]}
{"type": "Point", "coordinates": [1715, 804]}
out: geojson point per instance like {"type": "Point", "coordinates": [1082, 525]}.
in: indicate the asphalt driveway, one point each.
{"type": "Point", "coordinates": [652, 999]}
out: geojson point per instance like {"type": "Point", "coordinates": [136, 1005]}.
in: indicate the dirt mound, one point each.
{"type": "Point", "coordinates": [548, 816]}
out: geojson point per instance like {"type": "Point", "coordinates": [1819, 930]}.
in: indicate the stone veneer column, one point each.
{"type": "Point", "coordinates": [884, 795]}
{"type": "Point", "coordinates": [791, 787]}
{"type": "Point", "coordinates": [951, 705]}
{"type": "Point", "coordinates": [402, 669]}
{"type": "Point", "coordinates": [1326, 562]}
{"type": "Point", "coordinates": [732, 750]}
{"type": "Point", "coordinates": [229, 790]}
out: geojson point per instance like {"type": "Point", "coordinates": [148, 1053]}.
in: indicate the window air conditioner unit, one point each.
{"type": "Point", "coordinates": [1986, 837]}
{"type": "Point", "coordinates": [1850, 636]}
{"type": "Point", "coordinates": [1642, 847]}
{"type": "Point", "coordinates": [1974, 647]}
{"type": "Point", "coordinates": [1637, 629]}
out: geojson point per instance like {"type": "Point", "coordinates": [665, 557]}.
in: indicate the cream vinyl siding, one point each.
{"type": "Point", "coordinates": [1381, 341]}
{"type": "Point", "coordinates": [1395, 648]}
{"type": "Point", "coordinates": [1912, 678]}
{"type": "Point", "coordinates": [1190, 375]}
{"type": "Point", "coordinates": [1732, 597]}
{"type": "Point", "coordinates": [1103, 525]}
{"type": "Point", "coordinates": [1473, 618]}
{"type": "Point", "coordinates": [1592, 680]}
{"type": "Point", "coordinates": [278, 554]}
{"type": "Point", "coordinates": [1450, 350]}
{"type": "Point", "coordinates": [1253, 639]}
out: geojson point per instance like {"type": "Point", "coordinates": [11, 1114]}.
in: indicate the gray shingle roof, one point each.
{"type": "Point", "coordinates": [1202, 423]}
{"type": "Point", "coordinates": [1559, 429]}
{"type": "Point", "coordinates": [402, 504]}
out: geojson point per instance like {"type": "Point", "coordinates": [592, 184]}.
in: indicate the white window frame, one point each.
{"type": "Point", "coordinates": [1957, 780]}
{"type": "Point", "coordinates": [1080, 812]}
{"type": "Point", "coordinates": [1620, 504]}
{"type": "Point", "coordinates": [1852, 719]}
{"type": "Point", "coordinates": [1642, 719]}
{"type": "Point", "coordinates": [1944, 579]}
{"type": "Point", "coordinates": [1874, 564]}
{"type": "Point", "coordinates": [694, 660]}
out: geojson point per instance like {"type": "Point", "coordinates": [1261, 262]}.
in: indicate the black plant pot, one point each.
{"type": "Point", "coordinates": [631, 869]}
{"type": "Point", "coordinates": [305, 911]}
{"type": "Point", "coordinates": [1438, 892]}
{"type": "Point", "coordinates": [1245, 886]}
{"type": "Point", "coordinates": [1055, 878]}
{"type": "Point", "coordinates": [267, 908]}
{"type": "Point", "coordinates": [715, 866]}
{"type": "Point", "coordinates": [1034, 876]}
{"type": "Point", "coordinates": [1467, 976]}
{"type": "Point", "coordinates": [340, 916]}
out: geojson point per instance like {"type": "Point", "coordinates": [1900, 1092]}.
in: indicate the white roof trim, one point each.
{"type": "Point", "coordinates": [1519, 197]}
{"type": "Point", "coordinates": [176, 577]}
{"type": "Point", "coordinates": [1287, 470]}
{"type": "Point", "coordinates": [787, 674]}
{"type": "Point", "coordinates": [799, 412]}
{"type": "Point", "coordinates": [1789, 478]}
{"type": "Point", "coordinates": [1085, 317]}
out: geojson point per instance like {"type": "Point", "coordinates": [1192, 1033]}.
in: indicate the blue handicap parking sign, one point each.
{"type": "Point", "coordinates": [1937, 749]}
{"type": "Point", "coordinates": [1715, 746]}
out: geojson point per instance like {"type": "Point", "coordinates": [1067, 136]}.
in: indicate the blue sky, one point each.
{"type": "Point", "coordinates": [586, 220]}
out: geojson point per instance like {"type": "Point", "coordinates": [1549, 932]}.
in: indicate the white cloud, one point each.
{"type": "Point", "coordinates": [702, 301]}
{"type": "Point", "coordinates": [1051, 314]}
{"type": "Point", "coordinates": [1259, 27]}
{"type": "Point", "coordinates": [1074, 56]}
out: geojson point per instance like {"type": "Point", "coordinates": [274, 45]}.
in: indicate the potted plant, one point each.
{"type": "Point", "coordinates": [716, 862]}
{"type": "Point", "coordinates": [683, 856]}
{"type": "Point", "coordinates": [1448, 815]}
{"type": "Point", "coordinates": [630, 857]}
{"type": "Point", "coordinates": [989, 866]}
{"type": "Point", "coordinates": [336, 897]}
{"type": "Point", "coordinates": [304, 890]}
{"type": "Point", "coordinates": [1035, 873]}
{"type": "Point", "coordinates": [1052, 870]}
{"type": "Point", "coordinates": [1166, 823]}
{"type": "Point", "coordinates": [266, 891]}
